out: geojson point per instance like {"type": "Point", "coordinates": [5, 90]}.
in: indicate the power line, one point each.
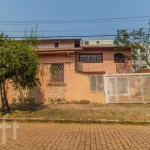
{"type": "Point", "coordinates": [79, 30]}
{"type": "Point", "coordinates": [45, 37]}
{"type": "Point", "coordinates": [70, 35]}
{"type": "Point", "coordinates": [70, 22]}
{"type": "Point", "coordinates": [84, 20]}
{"type": "Point", "coordinates": [73, 36]}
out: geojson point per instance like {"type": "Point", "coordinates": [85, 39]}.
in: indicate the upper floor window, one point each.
{"type": "Point", "coordinates": [86, 42]}
{"type": "Point", "coordinates": [97, 42]}
{"type": "Point", "coordinates": [77, 43]}
{"type": "Point", "coordinates": [119, 58]}
{"type": "Point", "coordinates": [56, 44]}
{"type": "Point", "coordinates": [91, 57]}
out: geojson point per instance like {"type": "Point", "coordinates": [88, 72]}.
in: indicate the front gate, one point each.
{"type": "Point", "coordinates": [127, 88]}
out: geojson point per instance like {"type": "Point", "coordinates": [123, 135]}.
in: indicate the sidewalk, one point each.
{"type": "Point", "coordinates": [73, 136]}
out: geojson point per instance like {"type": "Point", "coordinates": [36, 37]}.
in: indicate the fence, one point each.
{"type": "Point", "coordinates": [128, 88]}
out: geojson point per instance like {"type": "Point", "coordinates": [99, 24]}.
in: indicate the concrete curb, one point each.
{"type": "Point", "coordinates": [101, 121]}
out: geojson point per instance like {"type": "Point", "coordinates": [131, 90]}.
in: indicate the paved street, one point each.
{"type": "Point", "coordinates": [71, 136]}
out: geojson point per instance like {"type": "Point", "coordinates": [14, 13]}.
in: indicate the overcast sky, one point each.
{"type": "Point", "coordinates": [70, 10]}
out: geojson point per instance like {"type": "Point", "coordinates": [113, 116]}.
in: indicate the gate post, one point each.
{"type": "Point", "coordinates": [106, 88]}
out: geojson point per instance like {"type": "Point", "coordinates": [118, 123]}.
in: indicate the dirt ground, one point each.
{"type": "Point", "coordinates": [131, 112]}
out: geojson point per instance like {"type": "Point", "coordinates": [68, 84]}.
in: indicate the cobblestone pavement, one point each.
{"type": "Point", "coordinates": [72, 136]}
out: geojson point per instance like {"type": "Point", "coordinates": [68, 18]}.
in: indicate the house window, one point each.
{"type": "Point", "coordinates": [86, 42]}
{"type": "Point", "coordinates": [97, 42]}
{"type": "Point", "coordinates": [96, 83]}
{"type": "Point", "coordinates": [56, 44]}
{"type": "Point", "coordinates": [119, 58]}
{"type": "Point", "coordinates": [91, 57]}
{"type": "Point", "coordinates": [77, 43]}
{"type": "Point", "coordinates": [57, 73]}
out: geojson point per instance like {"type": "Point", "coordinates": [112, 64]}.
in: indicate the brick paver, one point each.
{"type": "Point", "coordinates": [72, 136]}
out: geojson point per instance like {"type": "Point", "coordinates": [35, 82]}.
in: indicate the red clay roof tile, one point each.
{"type": "Point", "coordinates": [99, 46]}
{"type": "Point", "coordinates": [58, 49]}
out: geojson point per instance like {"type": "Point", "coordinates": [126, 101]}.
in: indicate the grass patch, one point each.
{"type": "Point", "coordinates": [131, 112]}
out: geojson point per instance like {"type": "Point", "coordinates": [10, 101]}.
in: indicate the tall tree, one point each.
{"type": "Point", "coordinates": [139, 43]}
{"type": "Point", "coordinates": [18, 65]}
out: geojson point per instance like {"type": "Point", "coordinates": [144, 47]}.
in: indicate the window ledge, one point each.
{"type": "Point", "coordinates": [56, 84]}
{"type": "Point", "coordinates": [91, 62]}
{"type": "Point", "coordinates": [118, 62]}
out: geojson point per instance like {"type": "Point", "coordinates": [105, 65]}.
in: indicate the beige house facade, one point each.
{"type": "Point", "coordinates": [66, 69]}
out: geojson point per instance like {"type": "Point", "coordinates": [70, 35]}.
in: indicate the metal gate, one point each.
{"type": "Point", "coordinates": [127, 88]}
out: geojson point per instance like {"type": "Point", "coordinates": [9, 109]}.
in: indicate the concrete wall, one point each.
{"type": "Point", "coordinates": [50, 44]}
{"type": "Point", "coordinates": [78, 87]}
{"type": "Point", "coordinates": [61, 58]}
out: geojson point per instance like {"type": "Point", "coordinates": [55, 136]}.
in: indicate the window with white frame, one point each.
{"type": "Point", "coordinates": [96, 83]}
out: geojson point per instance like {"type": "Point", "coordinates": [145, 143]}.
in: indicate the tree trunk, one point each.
{"type": "Point", "coordinates": [4, 99]}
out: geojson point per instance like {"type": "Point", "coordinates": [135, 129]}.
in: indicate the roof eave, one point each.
{"type": "Point", "coordinates": [48, 52]}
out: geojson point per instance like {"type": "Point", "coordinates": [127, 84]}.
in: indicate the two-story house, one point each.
{"type": "Point", "coordinates": [67, 65]}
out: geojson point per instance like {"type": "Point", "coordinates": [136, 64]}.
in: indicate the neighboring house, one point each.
{"type": "Point", "coordinates": [67, 65]}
